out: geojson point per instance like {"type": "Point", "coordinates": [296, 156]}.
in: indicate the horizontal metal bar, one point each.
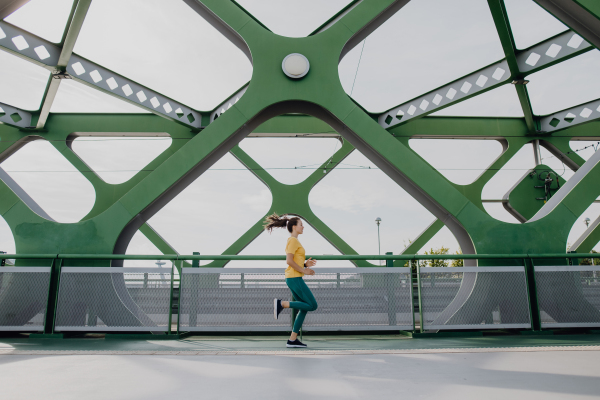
{"type": "Point", "coordinates": [166, 257]}
{"type": "Point", "coordinates": [551, 51]}
{"type": "Point", "coordinates": [28, 256]}
{"type": "Point", "coordinates": [115, 270]}
{"type": "Point", "coordinates": [570, 324]}
{"type": "Point", "coordinates": [285, 328]}
{"type": "Point", "coordinates": [117, 85]}
{"type": "Point", "coordinates": [274, 271]}
{"type": "Point", "coordinates": [195, 271]}
{"type": "Point", "coordinates": [14, 116]}
{"type": "Point", "coordinates": [288, 328]}
{"type": "Point", "coordinates": [334, 328]}
{"type": "Point", "coordinates": [111, 328]}
{"type": "Point", "coordinates": [477, 327]}
{"type": "Point", "coordinates": [25, 328]}
{"type": "Point", "coordinates": [569, 268]}
{"type": "Point", "coordinates": [485, 79]}
{"type": "Point", "coordinates": [571, 116]}
{"type": "Point", "coordinates": [449, 270]}
{"type": "Point", "coordinates": [24, 269]}
{"type": "Point", "coordinates": [175, 257]}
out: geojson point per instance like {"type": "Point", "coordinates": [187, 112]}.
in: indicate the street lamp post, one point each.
{"type": "Point", "coordinates": [378, 221]}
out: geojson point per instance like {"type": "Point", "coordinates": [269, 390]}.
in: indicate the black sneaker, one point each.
{"type": "Point", "coordinates": [277, 308]}
{"type": "Point", "coordinates": [295, 343]}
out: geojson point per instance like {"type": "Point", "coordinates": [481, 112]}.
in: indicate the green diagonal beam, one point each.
{"type": "Point", "coordinates": [424, 237]}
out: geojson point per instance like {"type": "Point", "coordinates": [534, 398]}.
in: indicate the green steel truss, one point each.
{"type": "Point", "coordinates": [264, 106]}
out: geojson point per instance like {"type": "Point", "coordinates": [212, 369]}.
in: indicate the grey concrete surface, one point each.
{"type": "Point", "coordinates": [508, 375]}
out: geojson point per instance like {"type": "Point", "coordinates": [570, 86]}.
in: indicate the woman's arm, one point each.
{"type": "Point", "coordinates": [290, 260]}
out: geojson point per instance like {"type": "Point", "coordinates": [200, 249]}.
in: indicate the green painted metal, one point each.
{"type": "Point", "coordinates": [299, 125]}
{"type": "Point", "coordinates": [525, 197]}
{"type": "Point", "coordinates": [589, 242]}
{"type": "Point", "coordinates": [170, 320]}
{"type": "Point", "coordinates": [320, 107]}
{"type": "Point", "coordinates": [591, 6]}
{"type": "Point", "coordinates": [412, 300]}
{"type": "Point", "coordinates": [53, 285]}
{"type": "Point", "coordinates": [420, 297]}
{"type": "Point", "coordinates": [534, 307]}
{"type": "Point", "coordinates": [424, 237]}
{"type": "Point", "coordinates": [53, 294]}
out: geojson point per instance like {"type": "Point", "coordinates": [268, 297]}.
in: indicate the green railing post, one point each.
{"type": "Point", "coordinates": [171, 299]}
{"type": "Point", "coordinates": [412, 296]}
{"type": "Point", "coordinates": [391, 291]}
{"type": "Point", "coordinates": [194, 284]}
{"type": "Point", "coordinates": [52, 300]}
{"type": "Point", "coordinates": [421, 321]}
{"type": "Point", "coordinates": [180, 295]}
{"type": "Point", "coordinates": [534, 307]}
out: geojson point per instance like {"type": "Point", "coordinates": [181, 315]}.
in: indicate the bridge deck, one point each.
{"type": "Point", "coordinates": [349, 344]}
{"type": "Point", "coordinates": [543, 367]}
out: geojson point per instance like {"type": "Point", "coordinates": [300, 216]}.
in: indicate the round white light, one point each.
{"type": "Point", "coordinates": [295, 65]}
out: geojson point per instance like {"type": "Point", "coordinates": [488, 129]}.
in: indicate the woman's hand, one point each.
{"type": "Point", "coordinates": [310, 262]}
{"type": "Point", "coordinates": [308, 271]}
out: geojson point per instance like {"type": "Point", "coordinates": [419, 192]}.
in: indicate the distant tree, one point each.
{"type": "Point", "coordinates": [591, 261]}
{"type": "Point", "coordinates": [458, 263]}
{"type": "Point", "coordinates": [413, 265]}
{"type": "Point", "coordinates": [436, 263]}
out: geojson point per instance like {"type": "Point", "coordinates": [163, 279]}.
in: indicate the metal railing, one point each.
{"type": "Point", "coordinates": [516, 295]}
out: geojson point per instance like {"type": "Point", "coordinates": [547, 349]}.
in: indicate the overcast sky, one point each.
{"type": "Point", "coordinates": [164, 45]}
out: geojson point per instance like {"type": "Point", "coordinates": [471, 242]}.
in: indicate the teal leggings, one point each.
{"type": "Point", "coordinates": [305, 301]}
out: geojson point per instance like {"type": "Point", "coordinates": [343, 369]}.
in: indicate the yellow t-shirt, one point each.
{"type": "Point", "coordinates": [294, 247]}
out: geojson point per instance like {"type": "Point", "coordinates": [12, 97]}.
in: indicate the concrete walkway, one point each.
{"type": "Point", "coordinates": [349, 367]}
{"type": "Point", "coordinates": [318, 344]}
{"type": "Point", "coordinates": [515, 375]}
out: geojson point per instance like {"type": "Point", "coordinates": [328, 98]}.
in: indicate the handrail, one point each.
{"type": "Point", "coordinates": [408, 257]}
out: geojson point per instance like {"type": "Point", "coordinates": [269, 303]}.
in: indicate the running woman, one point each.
{"type": "Point", "coordinates": [297, 268]}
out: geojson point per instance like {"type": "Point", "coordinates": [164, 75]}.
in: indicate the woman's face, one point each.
{"type": "Point", "coordinates": [299, 227]}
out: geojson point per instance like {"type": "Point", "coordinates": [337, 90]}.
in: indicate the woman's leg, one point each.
{"type": "Point", "coordinates": [305, 301]}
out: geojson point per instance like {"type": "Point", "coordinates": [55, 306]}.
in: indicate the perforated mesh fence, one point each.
{"type": "Point", "coordinates": [113, 299]}
{"type": "Point", "coordinates": [568, 296]}
{"type": "Point", "coordinates": [474, 298]}
{"type": "Point", "coordinates": [23, 298]}
{"type": "Point", "coordinates": [240, 299]}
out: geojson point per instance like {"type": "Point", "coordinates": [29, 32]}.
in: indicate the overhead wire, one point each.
{"type": "Point", "coordinates": [594, 146]}
{"type": "Point", "coordinates": [358, 66]}
{"type": "Point", "coordinates": [338, 165]}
